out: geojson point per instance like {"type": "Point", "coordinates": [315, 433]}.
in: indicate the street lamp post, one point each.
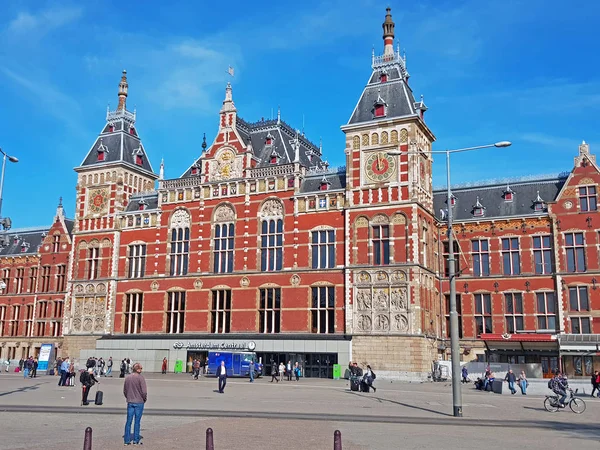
{"type": "Point", "coordinates": [454, 338]}
{"type": "Point", "coordinates": [13, 159]}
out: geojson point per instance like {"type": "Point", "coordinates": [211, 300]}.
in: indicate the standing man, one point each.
{"type": "Point", "coordinates": [109, 365]}
{"type": "Point", "coordinates": [64, 371]}
{"type": "Point", "coordinates": [165, 364]}
{"type": "Point", "coordinates": [251, 370]}
{"type": "Point", "coordinates": [511, 378]}
{"type": "Point", "coordinates": [222, 374]}
{"type": "Point", "coordinates": [136, 394]}
{"type": "Point", "coordinates": [87, 380]}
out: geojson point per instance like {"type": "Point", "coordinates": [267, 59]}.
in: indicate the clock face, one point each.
{"type": "Point", "coordinates": [380, 167]}
{"type": "Point", "coordinates": [97, 201]}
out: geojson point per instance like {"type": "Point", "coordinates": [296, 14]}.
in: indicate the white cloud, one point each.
{"type": "Point", "coordinates": [44, 21]}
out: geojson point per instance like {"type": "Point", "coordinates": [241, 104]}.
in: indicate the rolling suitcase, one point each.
{"type": "Point", "coordinates": [99, 397]}
{"type": "Point", "coordinates": [354, 384]}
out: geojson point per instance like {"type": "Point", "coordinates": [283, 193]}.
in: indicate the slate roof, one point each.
{"type": "Point", "coordinates": [23, 241]}
{"type": "Point", "coordinates": [255, 134]}
{"type": "Point", "coordinates": [491, 197]}
{"type": "Point", "coordinates": [151, 199]}
{"type": "Point", "coordinates": [312, 183]}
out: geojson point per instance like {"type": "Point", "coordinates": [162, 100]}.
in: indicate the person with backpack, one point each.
{"type": "Point", "coordinates": [559, 385]}
{"type": "Point", "coordinates": [368, 379]}
{"type": "Point", "coordinates": [595, 383]}
{"type": "Point", "coordinates": [123, 369]}
{"type": "Point", "coordinates": [87, 380]}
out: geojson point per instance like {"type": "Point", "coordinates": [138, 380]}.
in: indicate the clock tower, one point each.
{"type": "Point", "coordinates": [391, 300]}
{"type": "Point", "coordinates": [115, 167]}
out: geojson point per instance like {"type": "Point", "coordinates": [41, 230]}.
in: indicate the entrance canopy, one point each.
{"type": "Point", "coordinates": [580, 344]}
{"type": "Point", "coordinates": [522, 342]}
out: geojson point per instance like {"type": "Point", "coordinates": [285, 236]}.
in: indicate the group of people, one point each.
{"type": "Point", "coordinates": [198, 366]}
{"type": "Point", "coordinates": [28, 367]}
{"type": "Point", "coordinates": [485, 383]}
{"type": "Point", "coordinates": [99, 366]}
{"type": "Point", "coordinates": [365, 379]}
{"type": "Point", "coordinates": [278, 372]}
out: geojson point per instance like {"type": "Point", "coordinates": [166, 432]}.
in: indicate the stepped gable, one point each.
{"type": "Point", "coordinates": [119, 142]}
{"type": "Point", "coordinates": [313, 181]}
{"type": "Point", "coordinates": [22, 241]}
{"type": "Point", "coordinates": [492, 197]}
{"type": "Point", "coordinates": [148, 199]}
{"type": "Point", "coordinates": [387, 85]}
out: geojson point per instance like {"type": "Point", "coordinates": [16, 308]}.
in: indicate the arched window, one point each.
{"type": "Point", "coordinates": [271, 236]}
{"type": "Point", "coordinates": [224, 239]}
{"type": "Point", "coordinates": [180, 242]}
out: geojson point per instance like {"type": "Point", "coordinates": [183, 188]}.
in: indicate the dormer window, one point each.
{"type": "Point", "coordinates": [139, 156]}
{"type": "Point", "coordinates": [24, 247]}
{"type": "Point", "coordinates": [269, 139]}
{"type": "Point", "coordinates": [195, 170]}
{"type": "Point", "coordinates": [508, 194]}
{"type": "Point", "coordinates": [379, 110]}
{"type": "Point", "coordinates": [131, 130]}
{"type": "Point", "coordinates": [142, 205]}
{"type": "Point", "coordinates": [538, 204]}
{"type": "Point", "coordinates": [452, 200]}
{"type": "Point", "coordinates": [325, 184]}
{"type": "Point", "coordinates": [102, 150]}
{"type": "Point", "coordinates": [478, 209]}
{"type": "Point", "coordinates": [383, 77]}
{"type": "Point", "coordinates": [15, 239]}
{"type": "Point", "coordinates": [274, 157]}
{"type": "Point", "coordinates": [111, 128]}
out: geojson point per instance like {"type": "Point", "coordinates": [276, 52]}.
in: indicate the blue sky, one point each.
{"type": "Point", "coordinates": [524, 71]}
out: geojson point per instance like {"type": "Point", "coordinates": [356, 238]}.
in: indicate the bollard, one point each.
{"type": "Point", "coordinates": [337, 440]}
{"type": "Point", "coordinates": [209, 439]}
{"type": "Point", "coordinates": [87, 440]}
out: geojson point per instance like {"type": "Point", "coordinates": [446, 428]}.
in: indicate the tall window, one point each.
{"type": "Point", "coordinates": [513, 308]}
{"type": "Point", "coordinates": [137, 260]}
{"type": "Point", "coordinates": [221, 311]}
{"type": "Point", "coordinates": [45, 279]}
{"type": "Point", "coordinates": [40, 328]}
{"type": "Point", "coordinates": [581, 325]}
{"type": "Point", "coordinates": [6, 279]}
{"type": "Point", "coordinates": [424, 247]}
{"type": "Point", "coordinates": [32, 278]}
{"type": "Point", "coordinates": [323, 249]}
{"type": "Point", "coordinates": [381, 244]}
{"type": "Point", "coordinates": [19, 280]}
{"type": "Point", "coordinates": [55, 328]}
{"type": "Point", "coordinates": [481, 257]}
{"type": "Point", "coordinates": [587, 198]}
{"type": "Point", "coordinates": [458, 310]}
{"type": "Point", "coordinates": [270, 310]}
{"type": "Point", "coordinates": [323, 310]}
{"type": "Point", "coordinates": [56, 243]}
{"type": "Point", "coordinates": [176, 312]}
{"type": "Point", "coordinates": [42, 309]}
{"type": "Point", "coordinates": [542, 254]}
{"type": "Point", "coordinates": [93, 263]}
{"type": "Point", "coordinates": [2, 319]}
{"type": "Point", "coordinates": [456, 259]}
{"type": "Point", "coordinates": [272, 245]}
{"type": "Point", "coordinates": [28, 320]}
{"type": "Point", "coordinates": [578, 299]}
{"type": "Point", "coordinates": [483, 311]}
{"type": "Point", "coordinates": [546, 311]}
{"type": "Point", "coordinates": [133, 313]}
{"type": "Point", "coordinates": [511, 261]}
{"type": "Point", "coordinates": [14, 323]}
{"type": "Point", "coordinates": [61, 279]}
{"type": "Point", "coordinates": [180, 247]}
{"type": "Point", "coordinates": [223, 247]}
{"type": "Point", "coordinates": [575, 248]}
{"type": "Point", "coordinates": [58, 309]}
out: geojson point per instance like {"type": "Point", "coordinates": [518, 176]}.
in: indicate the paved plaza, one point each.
{"type": "Point", "coordinates": [36, 413]}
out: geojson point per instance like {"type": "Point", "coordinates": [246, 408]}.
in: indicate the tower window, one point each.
{"type": "Point", "coordinates": [111, 128]}
{"type": "Point", "coordinates": [379, 110]}
{"type": "Point", "coordinates": [383, 77]}
{"type": "Point", "coordinates": [269, 141]}
{"type": "Point", "coordinates": [508, 197]}
{"type": "Point", "coordinates": [131, 130]}
{"type": "Point", "coordinates": [138, 160]}
{"type": "Point", "coordinates": [100, 156]}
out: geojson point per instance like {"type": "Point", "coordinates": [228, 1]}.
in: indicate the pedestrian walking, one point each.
{"type": "Point", "coordinates": [136, 395]}
{"type": "Point", "coordinates": [164, 366]}
{"type": "Point", "coordinates": [511, 378]}
{"type": "Point", "coordinates": [465, 374]}
{"type": "Point", "coordinates": [297, 371]}
{"type": "Point", "coordinates": [281, 371]}
{"type": "Point", "coordinates": [222, 375]}
{"type": "Point", "coordinates": [522, 381]}
{"type": "Point", "coordinates": [34, 366]}
{"type": "Point", "coordinates": [595, 383]}
{"type": "Point", "coordinates": [288, 370]}
{"type": "Point", "coordinates": [274, 372]}
{"type": "Point", "coordinates": [251, 371]}
{"type": "Point", "coordinates": [123, 369]}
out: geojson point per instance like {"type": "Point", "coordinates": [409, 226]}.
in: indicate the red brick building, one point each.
{"type": "Point", "coordinates": [260, 245]}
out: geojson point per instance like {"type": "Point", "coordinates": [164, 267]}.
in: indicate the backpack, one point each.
{"type": "Point", "coordinates": [82, 377]}
{"type": "Point", "coordinates": [551, 383]}
{"type": "Point", "coordinates": [373, 374]}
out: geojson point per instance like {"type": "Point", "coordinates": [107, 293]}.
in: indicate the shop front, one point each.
{"type": "Point", "coordinates": [536, 349]}
{"type": "Point", "coordinates": [315, 355]}
{"type": "Point", "coordinates": [580, 354]}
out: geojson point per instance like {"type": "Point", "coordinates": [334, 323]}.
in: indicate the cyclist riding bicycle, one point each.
{"type": "Point", "coordinates": [559, 385]}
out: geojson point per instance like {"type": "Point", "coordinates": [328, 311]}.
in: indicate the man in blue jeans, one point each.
{"type": "Point", "coordinates": [136, 394]}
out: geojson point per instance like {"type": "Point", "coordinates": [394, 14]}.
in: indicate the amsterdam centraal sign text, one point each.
{"type": "Point", "coordinates": [250, 345]}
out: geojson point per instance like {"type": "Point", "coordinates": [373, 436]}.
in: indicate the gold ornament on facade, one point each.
{"type": "Point", "coordinates": [295, 280]}
{"type": "Point", "coordinates": [384, 137]}
{"type": "Point", "coordinates": [381, 276]}
{"type": "Point", "coordinates": [364, 277]}
{"type": "Point", "coordinates": [356, 143]}
{"type": "Point", "coordinates": [394, 137]}
{"type": "Point", "coordinates": [361, 222]}
{"type": "Point", "coordinates": [587, 181]}
{"type": "Point", "coordinates": [380, 299]}
{"type": "Point", "coordinates": [374, 139]}
{"type": "Point", "coordinates": [365, 140]}
{"type": "Point", "coordinates": [398, 276]}
{"type": "Point", "coordinates": [90, 289]}
{"type": "Point", "coordinates": [403, 136]}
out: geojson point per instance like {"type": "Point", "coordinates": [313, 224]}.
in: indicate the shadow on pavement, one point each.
{"type": "Point", "coordinates": [23, 389]}
{"type": "Point", "coordinates": [385, 400]}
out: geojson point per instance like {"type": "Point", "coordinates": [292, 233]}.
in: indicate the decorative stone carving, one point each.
{"type": "Point", "coordinates": [180, 219]}
{"type": "Point", "coordinates": [99, 324]}
{"type": "Point", "coordinates": [198, 284]}
{"type": "Point", "coordinates": [398, 298]}
{"type": "Point", "coordinates": [365, 140]}
{"type": "Point", "coordinates": [403, 136]}
{"type": "Point", "coordinates": [364, 323]}
{"type": "Point", "coordinates": [384, 137]}
{"type": "Point", "coordinates": [375, 139]}
{"type": "Point", "coordinates": [295, 280]}
{"type": "Point", "coordinates": [364, 277]}
{"type": "Point", "coordinates": [77, 324]}
{"type": "Point", "coordinates": [381, 323]}
{"type": "Point", "coordinates": [224, 213]}
{"type": "Point", "coordinates": [99, 305]}
{"type": "Point", "coordinates": [355, 142]}
{"type": "Point", "coordinates": [398, 276]}
{"type": "Point", "coordinates": [101, 288]}
{"type": "Point", "coordinates": [78, 288]}
{"type": "Point", "coordinates": [244, 282]}
{"type": "Point", "coordinates": [87, 324]}
{"type": "Point", "coordinates": [90, 289]}
{"type": "Point", "coordinates": [361, 222]}
{"type": "Point", "coordinates": [399, 219]}
{"type": "Point", "coordinates": [363, 299]}
{"type": "Point", "coordinates": [154, 286]}
{"type": "Point", "coordinates": [400, 322]}
{"type": "Point", "coordinates": [380, 299]}
{"type": "Point", "coordinates": [394, 137]}
{"type": "Point", "coordinates": [88, 306]}
{"type": "Point", "coordinates": [381, 276]}
{"type": "Point", "coordinates": [380, 219]}
{"type": "Point", "coordinates": [271, 209]}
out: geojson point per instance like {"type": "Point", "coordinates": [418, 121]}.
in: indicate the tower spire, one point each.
{"type": "Point", "coordinates": [388, 33]}
{"type": "Point", "coordinates": [123, 88]}
{"type": "Point", "coordinates": [161, 173]}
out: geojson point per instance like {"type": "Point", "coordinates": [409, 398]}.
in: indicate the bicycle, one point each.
{"type": "Point", "coordinates": [577, 405]}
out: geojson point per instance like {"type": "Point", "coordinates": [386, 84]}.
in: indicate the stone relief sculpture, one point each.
{"type": "Point", "coordinates": [398, 298]}
{"type": "Point", "coordinates": [382, 323]}
{"type": "Point", "coordinates": [224, 213]}
{"type": "Point", "coordinates": [271, 208]}
{"type": "Point", "coordinates": [364, 323]}
{"type": "Point", "coordinates": [380, 299]}
{"type": "Point", "coordinates": [400, 322]}
{"type": "Point", "coordinates": [180, 219]}
{"type": "Point", "coordinates": [363, 299]}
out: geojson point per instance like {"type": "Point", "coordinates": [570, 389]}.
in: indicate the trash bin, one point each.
{"type": "Point", "coordinates": [178, 366]}
{"type": "Point", "coordinates": [497, 386]}
{"type": "Point", "coordinates": [337, 371]}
